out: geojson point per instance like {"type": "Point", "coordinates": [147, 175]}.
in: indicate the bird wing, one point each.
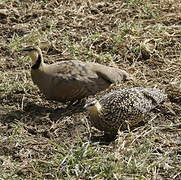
{"type": "Point", "coordinates": [110, 74]}
{"type": "Point", "coordinates": [65, 70]}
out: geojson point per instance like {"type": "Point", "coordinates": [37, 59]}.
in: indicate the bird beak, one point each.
{"type": "Point", "coordinates": [85, 106]}
{"type": "Point", "coordinates": [27, 49]}
{"type": "Point", "coordinates": [22, 51]}
{"type": "Point", "coordinates": [89, 104]}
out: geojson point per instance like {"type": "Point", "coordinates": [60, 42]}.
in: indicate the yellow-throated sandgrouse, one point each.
{"type": "Point", "coordinates": [71, 80]}
{"type": "Point", "coordinates": [122, 108]}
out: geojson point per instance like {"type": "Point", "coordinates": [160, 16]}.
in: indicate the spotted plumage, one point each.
{"type": "Point", "coordinates": [122, 108]}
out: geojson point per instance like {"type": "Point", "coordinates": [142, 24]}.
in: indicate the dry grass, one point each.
{"type": "Point", "coordinates": [44, 140]}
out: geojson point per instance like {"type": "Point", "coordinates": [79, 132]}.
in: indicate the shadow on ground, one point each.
{"type": "Point", "coordinates": [37, 113]}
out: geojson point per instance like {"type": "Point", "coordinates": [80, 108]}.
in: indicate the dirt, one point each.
{"type": "Point", "coordinates": [142, 39]}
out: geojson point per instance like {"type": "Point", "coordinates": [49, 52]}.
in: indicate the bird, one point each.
{"type": "Point", "coordinates": [123, 108]}
{"type": "Point", "coordinates": [71, 80]}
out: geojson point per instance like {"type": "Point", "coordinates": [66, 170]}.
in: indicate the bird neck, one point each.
{"type": "Point", "coordinates": [38, 61]}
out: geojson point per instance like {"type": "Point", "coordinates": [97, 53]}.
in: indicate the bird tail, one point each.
{"type": "Point", "coordinates": [111, 74]}
{"type": "Point", "coordinates": [126, 76]}
{"type": "Point", "coordinates": [157, 96]}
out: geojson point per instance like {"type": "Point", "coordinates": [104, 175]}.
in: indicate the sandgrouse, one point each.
{"type": "Point", "coordinates": [123, 108]}
{"type": "Point", "coordinates": [71, 80]}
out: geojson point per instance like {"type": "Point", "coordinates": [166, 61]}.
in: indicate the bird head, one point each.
{"type": "Point", "coordinates": [33, 51]}
{"type": "Point", "coordinates": [93, 107]}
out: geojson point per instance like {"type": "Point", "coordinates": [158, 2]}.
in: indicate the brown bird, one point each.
{"type": "Point", "coordinates": [123, 108]}
{"type": "Point", "coordinates": [71, 80]}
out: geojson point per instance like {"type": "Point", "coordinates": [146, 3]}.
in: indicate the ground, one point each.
{"type": "Point", "coordinates": [41, 139]}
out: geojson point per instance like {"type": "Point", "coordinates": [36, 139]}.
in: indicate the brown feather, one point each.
{"type": "Point", "coordinates": [73, 80]}
{"type": "Point", "coordinates": [124, 107]}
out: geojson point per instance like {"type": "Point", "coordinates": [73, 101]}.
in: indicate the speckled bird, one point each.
{"type": "Point", "coordinates": [122, 108]}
